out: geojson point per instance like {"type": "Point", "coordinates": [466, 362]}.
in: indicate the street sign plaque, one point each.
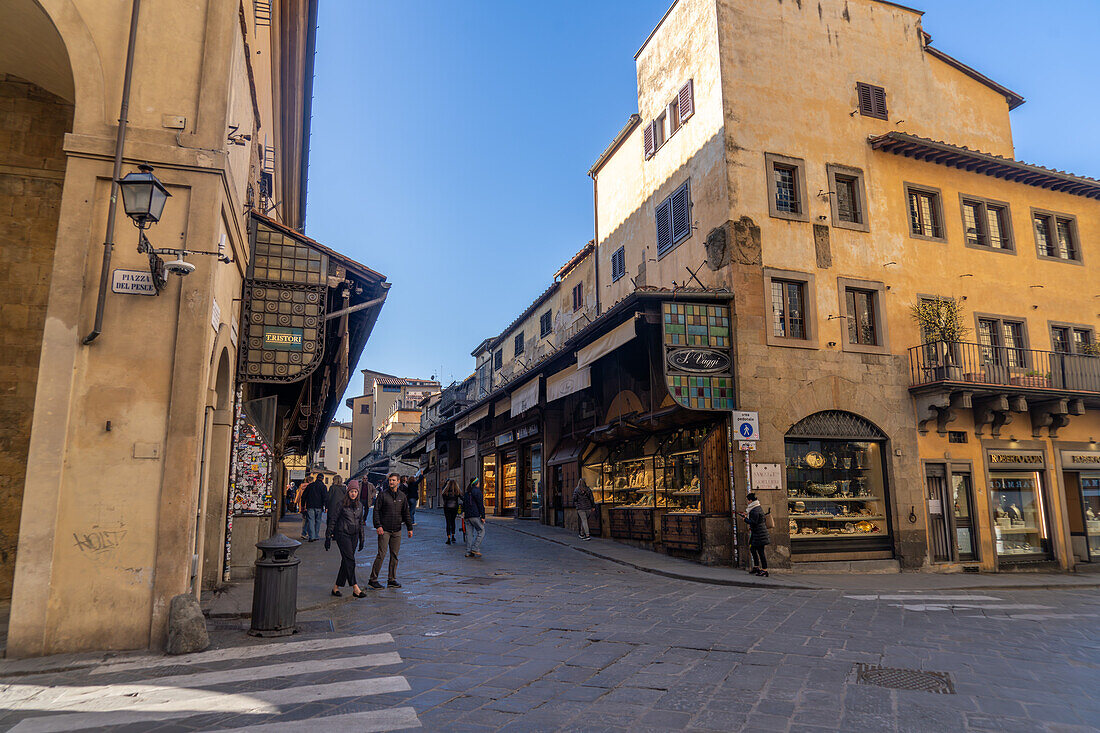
{"type": "Point", "coordinates": [747, 425]}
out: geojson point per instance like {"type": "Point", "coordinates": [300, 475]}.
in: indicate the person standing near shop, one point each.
{"type": "Point", "coordinates": [391, 510]}
{"type": "Point", "coordinates": [345, 525]}
{"type": "Point", "coordinates": [584, 502]}
{"type": "Point", "coordinates": [758, 535]}
{"type": "Point", "coordinates": [452, 500]}
{"type": "Point", "coordinates": [314, 498]}
{"type": "Point", "coordinates": [336, 494]}
{"type": "Point", "coordinates": [411, 486]}
{"type": "Point", "coordinates": [473, 508]}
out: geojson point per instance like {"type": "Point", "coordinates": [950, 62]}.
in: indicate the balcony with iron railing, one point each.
{"type": "Point", "coordinates": [982, 365]}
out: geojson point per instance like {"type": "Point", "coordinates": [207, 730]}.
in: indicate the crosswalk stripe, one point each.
{"type": "Point", "coordinates": [160, 705]}
{"type": "Point", "coordinates": [375, 721]}
{"type": "Point", "coordinates": [244, 652]}
{"type": "Point", "coordinates": [23, 697]}
{"type": "Point", "coordinates": [921, 597]}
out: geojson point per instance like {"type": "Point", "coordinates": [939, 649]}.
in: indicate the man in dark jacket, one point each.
{"type": "Point", "coordinates": [473, 508]}
{"type": "Point", "coordinates": [391, 510]}
{"type": "Point", "coordinates": [411, 486]}
{"type": "Point", "coordinates": [336, 494]}
{"type": "Point", "coordinates": [314, 498]}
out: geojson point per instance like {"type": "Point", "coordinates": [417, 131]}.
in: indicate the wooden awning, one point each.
{"type": "Point", "coordinates": [954, 156]}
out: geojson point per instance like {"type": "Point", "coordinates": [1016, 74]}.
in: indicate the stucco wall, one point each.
{"type": "Point", "coordinates": [32, 167]}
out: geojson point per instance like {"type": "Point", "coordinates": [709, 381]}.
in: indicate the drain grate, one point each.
{"type": "Point", "coordinates": [480, 581]}
{"type": "Point", "coordinates": [903, 679]}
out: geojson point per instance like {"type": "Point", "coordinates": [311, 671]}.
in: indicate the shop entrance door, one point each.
{"type": "Point", "coordinates": [939, 534]}
{"type": "Point", "coordinates": [508, 477]}
{"type": "Point", "coordinates": [532, 495]}
{"type": "Point", "coordinates": [489, 483]}
{"type": "Point", "coordinates": [962, 497]}
{"type": "Point", "coordinates": [1090, 514]}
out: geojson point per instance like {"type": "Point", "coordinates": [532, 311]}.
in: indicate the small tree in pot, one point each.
{"type": "Point", "coordinates": [942, 329]}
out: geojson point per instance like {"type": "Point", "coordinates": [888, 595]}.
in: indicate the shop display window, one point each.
{"type": "Point", "coordinates": [1018, 516]}
{"type": "Point", "coordinates": [1090, 494]}
{"type": "Point", "coordinates": [683, 471]}
{"type": "Point", "coordinates": [661, 472]}
{"type": "Point", "coordinates": [835, 490]}
{"type": "Point", "coordinates": [533, 495]}
{"type": "Point", "coordinates": [489, 483]}
{"type": "Point", "coordinates": [508, 484]}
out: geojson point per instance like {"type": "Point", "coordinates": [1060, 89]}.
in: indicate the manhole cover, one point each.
{"type": "Point", "coordinates": [480, 581]}
{"type": "Point", "coordinates": [315, 627]}
{"type": "Point", "coordinates": [903, 679]}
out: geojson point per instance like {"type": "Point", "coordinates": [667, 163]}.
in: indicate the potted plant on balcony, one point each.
{"type": "Point", "coordinates": [942, 330]}
{"type": "Point", "coordinates": [1031, 378]}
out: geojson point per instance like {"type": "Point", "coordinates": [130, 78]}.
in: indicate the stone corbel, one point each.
{"type": "Point", "coordinates": [1054, 415]}
{"type": "Point", "coordinates": [941, 407]}
{"type": "Point", "coordinates": [996, 411]}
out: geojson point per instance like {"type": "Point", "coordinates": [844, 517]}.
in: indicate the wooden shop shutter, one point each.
{"type": "Point", "coordinates": [650, 144]}
{"type": "Point", "coordinates": [872, 100]}
{"type": "Point", "coordinates": [664, 225]}
{"type": "Point", "coordinates": [686, 100]}
{"type": "Point", "coordinates": [716, 472]}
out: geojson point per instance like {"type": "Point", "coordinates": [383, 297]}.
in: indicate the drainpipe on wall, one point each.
{"type": "Point", "coordinates": [596, 239]}
{"type": "Point", "coordinates": [116, 173]}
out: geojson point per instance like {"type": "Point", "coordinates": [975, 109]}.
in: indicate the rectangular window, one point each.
{"type": "Point", "coordinates": [673, 116]}
{"type": "Point", "coordinates": [1082, 341]}
{"type": "Point", "coordinates": [1059, 339]}
{"type": "Point", "coordinates": [546, 324]}
{"type": "Point", "coordinates": [659, 131]}
{"type": "Point", "coordinates": [673, 217]}
{"type": "Point", "coordinates": [872, 100]}
{"type": "Point", "coordinates": [1002, 342]}
{"type": "Point", "coordinates": [518, 343]}
{"type": "Point", "coordinates": [1071, 339]}
{"type": "Point", "coordinates": [498, 359]}
{"type": "Point", "coordinates": [846, 197]}
{"type": "Point", "coordinates": [788, 312]}
{"type": "Point", "coordinates": [786, 178]}
{"type": "Point", "coordinates": [390, 388]}
{"type": "Point", "coordinates": [786, 189]}
{"type": "Point", "coordinates": [618, 264]}
{"type": "Point", "coordinates": [1056, 236]}
{"type": "Point", "coordinates": [925, 213]}
{"type": "Point", "coordinates": [862, 328]}
{"type": "Point", "coordinates": [364, 409]}
{"type": "Point", "coordinates": [578, 297]}
{"type": "Point", "coordinates": [986, 224]}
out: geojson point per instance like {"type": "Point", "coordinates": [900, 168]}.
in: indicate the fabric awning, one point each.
{"type": "Point", "coordinates": [526, 397]}
{"type": "Point", "coordinates": [606, 344]}
{"type": "Point", "coordinates": [566, 382]}
{"type": "Point", "coordinates": [479, 414]}
{"type": "Point", "coordinates": [502, 407]}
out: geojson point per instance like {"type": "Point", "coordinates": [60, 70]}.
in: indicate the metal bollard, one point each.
{"type": "Point", "coordinates": [275, 591]}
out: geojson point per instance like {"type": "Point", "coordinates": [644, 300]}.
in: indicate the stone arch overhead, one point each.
{"type": "Point", "coordinates": [221, 390]}
{"type": "Point", "coordinates": [831, 393]}
{"type": "Point", "coordinates": [85, 64]}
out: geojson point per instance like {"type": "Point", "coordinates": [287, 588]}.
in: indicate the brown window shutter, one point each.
{"type": "Point", "coordinates": [686, 98]}
{"type": "Point", "coordinates": [879, 95]}
{"type": "Point", "coordinates": [650, 145]}
{"type": "Point", "coordinates": [866, 103]}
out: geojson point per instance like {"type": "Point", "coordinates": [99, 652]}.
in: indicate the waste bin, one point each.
{"type": "Point", "coordinates": [275, 591]}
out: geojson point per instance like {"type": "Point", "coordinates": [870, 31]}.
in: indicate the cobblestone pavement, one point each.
{"type": "Point", "coordinates": [536, 636]}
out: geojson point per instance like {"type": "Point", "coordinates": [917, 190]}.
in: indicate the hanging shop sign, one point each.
{"type": "Point", "coordinates": [698, 364]}
{"type": "Point", "coordinates": [698, 361]}
{"type": "Point", "coordinates": [133, 282]}
{"type": "Point", "coordinates": [566, 382]}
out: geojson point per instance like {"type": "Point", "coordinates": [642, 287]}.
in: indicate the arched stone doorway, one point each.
{"type": "Point", "coordinates": [36, 111]}
{"type": "Point", "coordinates": [212, 504]}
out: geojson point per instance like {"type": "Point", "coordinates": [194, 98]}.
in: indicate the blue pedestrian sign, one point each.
{"type": "Point", "coordinates": [747, 425]}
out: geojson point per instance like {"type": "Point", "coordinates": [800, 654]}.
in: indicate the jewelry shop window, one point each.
{"type": "Point", "coordinates": [837, 494]}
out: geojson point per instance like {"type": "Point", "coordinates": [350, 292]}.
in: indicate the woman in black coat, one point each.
{"type": "Point", "coordinates": [758, 535]}
{"type": "Point", "coordinates": [345, 524]}
{"type": "Point", "coordinates": [452, 500]}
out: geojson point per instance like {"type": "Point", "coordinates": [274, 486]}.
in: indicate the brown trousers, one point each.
{"type": "Point", "coordinates": [391, 540]}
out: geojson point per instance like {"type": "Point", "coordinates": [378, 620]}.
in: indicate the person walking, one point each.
{"type": "Point", "coordinates": [411, 486]}
{"type": "Point", "coordinates": [336, 494]}
{"type": "Point", "coordinates": [758, 535]}
{"type": "Point", "coordinates": [584, 502]}
{"type": "Point", "coordinates": [345, 525]}
{"type": "Point", "coordinates": [391, 510]}
{"type": "Point", "coordinates": [452, 500]}
{"type": "Point", "coordinates": [473, 508]}
{"type": "Point", "coordinates": [314, 498]}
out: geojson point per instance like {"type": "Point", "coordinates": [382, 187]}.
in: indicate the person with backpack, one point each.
{"type": "Point", "coordinates": [452, 500]}
{"type": "Point", "coordinates": [758, 535]}
{"type": "Point", "coordinates": [584, 502]}
{"type": "Point", "coordinates": [473, 509]}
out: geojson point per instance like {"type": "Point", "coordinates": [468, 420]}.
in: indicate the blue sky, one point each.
{"type": "Point", "coordinates": [451, 140]}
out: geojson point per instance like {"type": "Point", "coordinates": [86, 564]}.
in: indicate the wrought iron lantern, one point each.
{"type": "Point", "coordinates": [143, 196]}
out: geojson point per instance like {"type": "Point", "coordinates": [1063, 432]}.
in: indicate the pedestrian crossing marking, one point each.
{"type": "Point", "coordinates": [33, 697]}
{"type": "Point", "coordinates": [160, 704]}
{"type": "Point", "coordinates": [376, 721]}
{"type": "Point", "coordinates": [921, 597]}
{"type": "Point", "coordinates": [244, 652]}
